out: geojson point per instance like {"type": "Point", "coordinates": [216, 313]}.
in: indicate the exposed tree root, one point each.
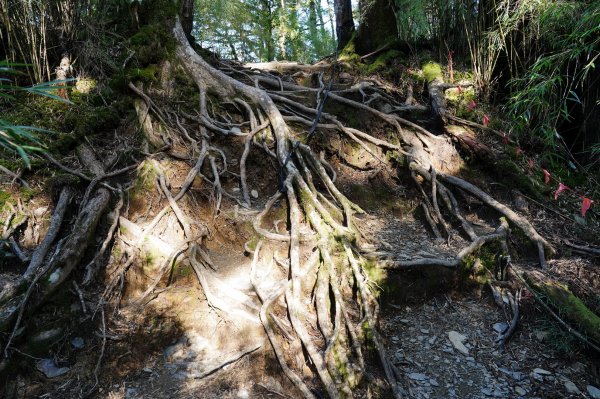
{"type": "Point", "coordinates": [318, 302]}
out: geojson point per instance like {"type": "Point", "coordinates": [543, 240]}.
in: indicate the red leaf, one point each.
{"type": "Point", "coordinates": [519, 151]}
{"type": "Point", "coordinates": [504, 140]}
{"type": "Point", "coordinates": [486, 120]}
{"type": "Point", "coordinates": [561, 188]}
{"type": "Point", "coordinates": [472, 105]}
{"type": "Point", "coordinates": [546, 176]}
{"type": "Point", "coordinates": [531, 164]}
{"type": "Point", "coordinates": [586, 203]}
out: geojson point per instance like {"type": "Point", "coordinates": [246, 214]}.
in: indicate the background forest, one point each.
{"type": "Point", "coordinates": [537, 59]}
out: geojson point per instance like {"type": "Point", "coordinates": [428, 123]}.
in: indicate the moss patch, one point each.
{"type": "Point", "coordinates": [568, 305]}
{"type": "Point", "coordinates": [383, 61]}
{"type": "Point", "coordinates": [431, 71]}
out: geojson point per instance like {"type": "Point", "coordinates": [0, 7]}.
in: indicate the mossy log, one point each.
{"type": "Point", "coordinates": [569, 306]}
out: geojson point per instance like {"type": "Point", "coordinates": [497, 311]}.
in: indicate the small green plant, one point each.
{"type": "Point", "coordinates": [23, 139]}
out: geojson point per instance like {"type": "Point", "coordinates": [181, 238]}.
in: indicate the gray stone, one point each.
{"type": "Point", "coordinates": [417, 376]}
{"type": "Point", "coordinates": [433, 382]}
{"type": "Point", "coordinates": [254, 194]}
{"type": "Point", "coordinates": [520, 391]}
{"type": "Point", "coordinates": [515, 375]}
{"type": "Point", "coordinates": [500, 327]}
{"type": "Point", "coordinates": [571, 387]}
{"type": "Point", "coordinates": [541, 371]}
{"type": "Point", "coordinates": [457, 341]}
{"type": "Point", "coordinates": [77, 343]}
{"type": "Point", "coordinates": [593, 391]}
{"type": "Point", "coordinates": [50, 369]}
{"type": "Point", "coordinates": [486, 391]}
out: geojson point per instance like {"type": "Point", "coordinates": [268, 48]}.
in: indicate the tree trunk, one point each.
{"type": "Point", "coordinates": [344, 23]}
{"type": "Point", "coordinates": [187, 16]}
{"type": "Point", "coordinates": [377, 27]}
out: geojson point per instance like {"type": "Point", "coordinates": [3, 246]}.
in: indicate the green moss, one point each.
{"type": "Point", "coordinates": [461, 98]}
{"type": "Point", "coordinates": [383, 61]}
{"type": "Point", "coordinates": [146, 75]}
{"type": "Point", "coordinates": [375, 274]}
{"type": "Point", "coordinates": [431, 71]}
{"type": "Point", "coordinates": [152, 44]}
{"type": "Point", "coordinates": [4, 198]}
{"type": "Point", "coordinates": [570, 306]}
{"type": "Point", "coordinates": [143, 184]}
{"type": "Point", "coordinates": [349, 54]}
{"type": "Point", "coordinates": [27, 193]}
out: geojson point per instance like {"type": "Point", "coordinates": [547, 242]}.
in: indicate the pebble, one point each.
{"type": "Point", "coordinates": [571, 387]}
{"type": "Point", "coordinates": [541, 371]}
{"type": "Point", "coordinates": [520, 391]}
{"type": "Point", "coordinates": [593, 391]}
{"type": "Point", "coordinates": [500, 327]}
{"type": "Point", "coordinates": [433, 382]}
{"type": "Point", "coordinates": [457, 340]}
{"type": "Point", "coordinates": [254, 194]}
{"type": "Point", "coordinates": [424, 331]}
{"type": "Point", "coordinates": [515, 375]}
{"type": "Point", "coordinates": [417, 376]}
{"type": "Point", "coordinates": [50, 369]}
{"type": "Point", "coordinates": [77, 342]}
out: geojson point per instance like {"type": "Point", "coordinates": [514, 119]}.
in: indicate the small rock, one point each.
{"type": "Point", "coordinates": [470, 359]}
{"type": "Point", "coordinates": [432, 340]}
{"type": "Point", "coordinates": [243, 394]}
{"type": "Point", "coordinates": [500, 327]}
{"type": "Point", "coordinates": [236, 130]}
{"type": "Point", "coordinates": [541, 335]}
{"type": "Point", "coordinates": [147, 370]}
{"type": "Point", "coordinates": [131, 393]}
{"type": "Point", "coordinates": [593, 391]}
{"type": "Point", "coordinates": [571, 387]}
{"type": "Point", "coordinates": [520, 391]}
{"type": "Point", "coordinates": [346, 77]}
{"type": "Point", "coordinates": [541, 371]}
{"type": "Point", "coordinates": [254, 194]}
{"type": "Point", "coordinates": [515, 375]}
{"type": "Point", "coordinates": [486, 391]}
{"type": "Point", "coordinates": [77, 343]}
{"type": "Point", "coordinates": [424, 331]}
{"type": "Point", "coordinates": [433, 382]}
{"type": "Point", "coordinates": [417, 376]}
{"type": "Point", "coordinates": [457, 340]}
{"type": "Point", "coordinates": [50, 369]}
{"type": "Point", "coordinates": [39, 212]}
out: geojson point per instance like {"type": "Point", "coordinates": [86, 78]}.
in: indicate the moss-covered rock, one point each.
{"type": "Point", "coordinates": [431, 71]}
{"type": "Point", "coordinates": [568, 305]}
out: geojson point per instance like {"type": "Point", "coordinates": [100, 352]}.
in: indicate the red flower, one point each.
{"type": "Point", "coordinates": [586, 203]}
{"type": "Point", "coordinates": [561, 188]}
{"type": "Point", "coordinates": [546, 176]}
{"type": "Point", "coordinates": [472, 105]}
{"type": "Point", "coordinates": [486, 120]}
